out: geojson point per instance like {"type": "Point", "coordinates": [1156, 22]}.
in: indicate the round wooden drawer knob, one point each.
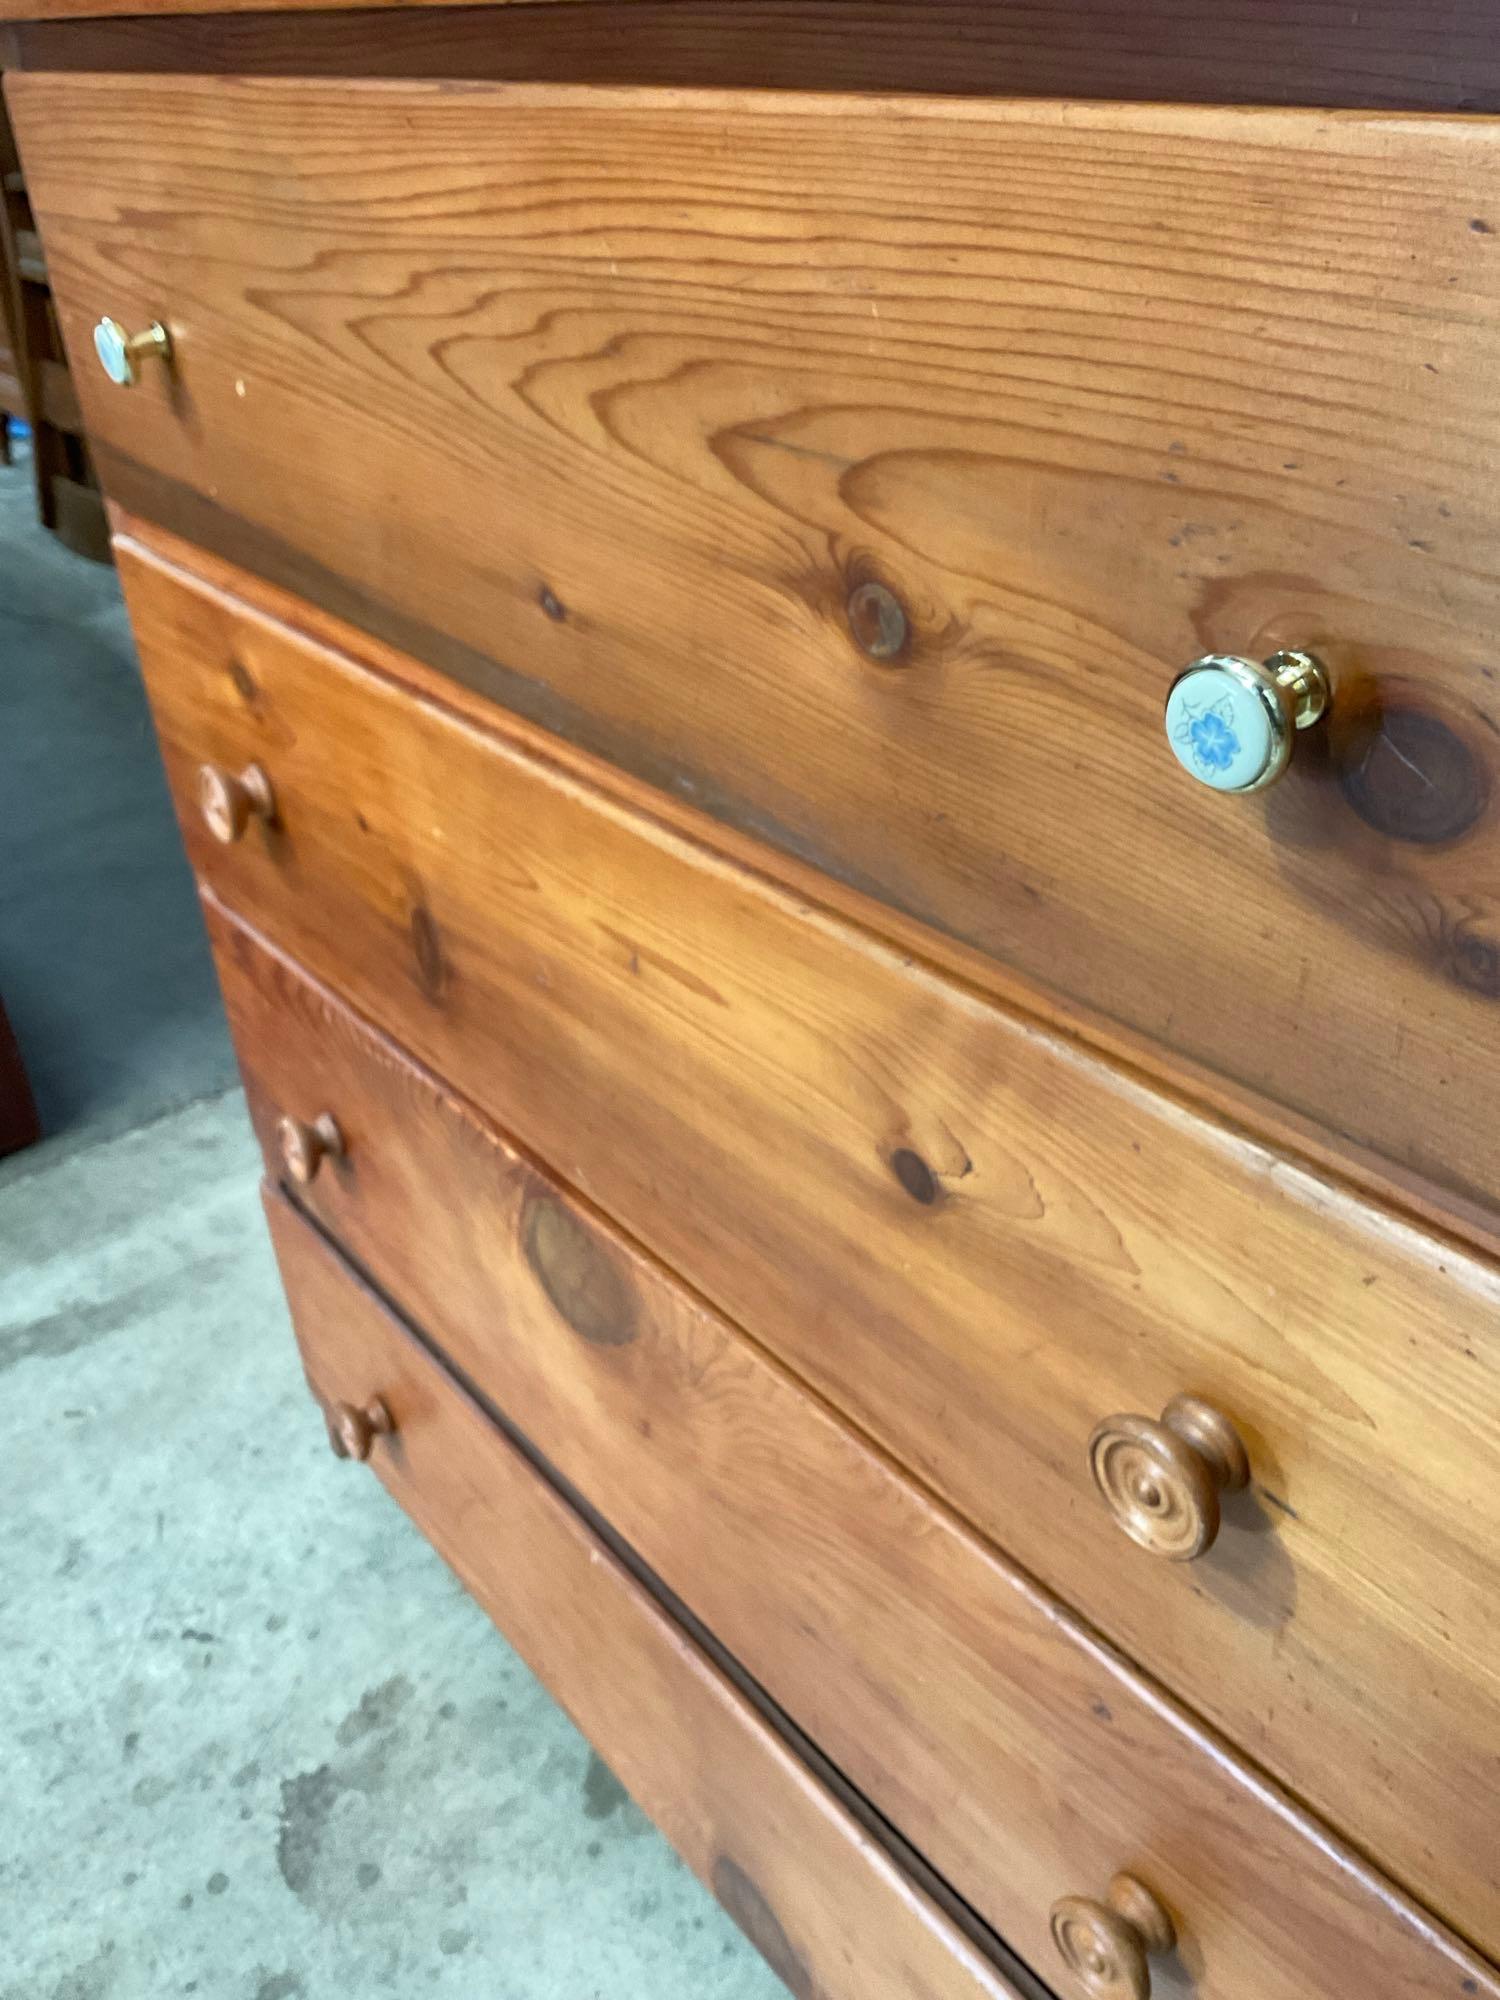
{"type": "Point", "coordinates": [1105, 1945]}
{"type": "Point", "coordinates": [1163, 1480]}
{"type": "Point", "coordinates": [305, 1147]}
{"type": "Point", "coordinates": [228, 803]}
{"type": "Point", "coordinates": [1232, 722]}
{"type": "Point", "coordinates": [121, 353]}
{"type": "Point", "coordinates": [352, 1430]}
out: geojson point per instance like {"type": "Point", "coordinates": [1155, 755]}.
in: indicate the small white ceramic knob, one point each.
{"type": "Point", "coordinates": [1231, 722]}
{"type": "Point", "coordinates": [121, 353]}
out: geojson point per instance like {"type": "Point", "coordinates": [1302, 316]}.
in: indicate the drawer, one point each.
{"type": "Point", "coordinates": [974, 1238]}
{"type": "Point", "coordinates": [811, 1889]}
{"type": "Point", "coordinates": [864, 473]}
{"type": "Point", "coordinates": [1021, 1758]}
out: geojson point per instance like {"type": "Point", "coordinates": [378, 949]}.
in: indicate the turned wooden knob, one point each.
{"type": "Point", "coordinates": [1105, 1945]}
{"type": "Point", "coordinates": [305, 1147]}
{"type": "Point", "coordinates": [1163, 1480]}
{"type": "Point", "coordinates": [228, 802]}
{"type": "Point", "coordinates": [351, 1430]}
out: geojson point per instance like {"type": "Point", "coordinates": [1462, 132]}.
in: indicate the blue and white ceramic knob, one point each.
{"type": "Point", "coordinates": [121, 353]}
{"type": "Point", "coordinates": [1232, 722]}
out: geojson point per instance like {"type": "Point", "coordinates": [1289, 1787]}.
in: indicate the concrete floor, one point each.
{"type": "Point", "coordinates": [103, 965]}
{"type": "Point", "coordinates": [257, 1741]}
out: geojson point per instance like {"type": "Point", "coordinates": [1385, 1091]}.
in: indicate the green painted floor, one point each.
{"type": "Point", "coordinates": [257, 1742]}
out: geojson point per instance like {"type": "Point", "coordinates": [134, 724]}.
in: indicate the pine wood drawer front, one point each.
{"type": "Point", "coordinates": [976, 1239]}
{"type": "Point", "coordinates": [1020, 1757]}
{"type": "Point", "coordinates": [808, 1885]}
{"type": "Point", "coordinates": [865, 472]}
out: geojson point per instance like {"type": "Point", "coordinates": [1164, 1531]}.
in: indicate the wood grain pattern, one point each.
{"type": "Point", "coordinates": [1296, 1137]}
{"type": "Point", "coordinates": [1016, 1753]}
{"type": "Point", "coordinates": [1392, 54]}
{"type": "Point", "coordinates": [974, 1237]}
{"type": "Point", "coordinates": [810, 1887]}
{"type": "Point", "coordinates": [1089, 389]}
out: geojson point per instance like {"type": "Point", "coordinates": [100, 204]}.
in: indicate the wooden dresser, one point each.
{"type": "Point", "coordinates": [833, 671]}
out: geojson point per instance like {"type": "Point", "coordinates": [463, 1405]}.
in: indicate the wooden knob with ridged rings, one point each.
{"type": "Point", "coordinates": [1106, 1945]}
{"type": "Point", "coordinates": [229, 801]}
{"type": "Point", "coordinates": [1162, 1480]}
{"type": "Point", "coordinates": [353, 1428]}
{"type": "Point", "coordinates": [305, 1146]}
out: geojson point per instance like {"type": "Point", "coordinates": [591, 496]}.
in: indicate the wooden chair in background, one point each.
{"type": "Point", "coordinates": [35, 385]}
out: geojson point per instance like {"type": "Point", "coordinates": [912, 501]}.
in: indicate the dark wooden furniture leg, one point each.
{"type": "Point", "coordinates": [19, 1125]}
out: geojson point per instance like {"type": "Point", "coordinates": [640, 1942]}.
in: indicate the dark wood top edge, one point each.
{"type": "Point", "coordinates": [1389, 55]}
{"type": "Point", "coordinates": [51, 11]}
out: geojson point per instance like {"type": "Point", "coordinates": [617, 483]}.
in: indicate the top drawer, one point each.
{"type": "Point", "coordinates": [866, 472]}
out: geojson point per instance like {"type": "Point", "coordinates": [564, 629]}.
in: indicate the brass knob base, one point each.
{"type": "Point", "coordinates": [1303, 680]}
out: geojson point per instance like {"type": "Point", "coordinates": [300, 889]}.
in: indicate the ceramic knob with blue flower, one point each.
{"type": "Point", "coordinates": [121, 353]}
{"type": "Point", "coordinates": [1231, 722]}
